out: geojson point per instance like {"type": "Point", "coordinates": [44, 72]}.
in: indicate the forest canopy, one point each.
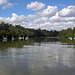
{"type": "Point", "coordinates": [68, 33]}
{"type": "Point", "coordinates": [8, 30]}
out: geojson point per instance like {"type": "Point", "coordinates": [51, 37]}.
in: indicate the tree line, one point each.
{"type": "Point", "coordinates": [8, 30]}
{"type": "Point", "coordinates": [65, 34]}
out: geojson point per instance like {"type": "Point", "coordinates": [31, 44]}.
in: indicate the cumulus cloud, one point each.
{"type": "Point", "coordinates": [50, 11]}
{"type": "Point", "coordinates": [57, 26]}
{"type": "Point", "coordinates": [15, 19]}
{"type": "Point", "coordinates": [54, 23]}
{"type": "Point", "coordinates": [50, 19]}
{"type": "Point", "coordinates": [8, 5]}
{"type": "Point", "coordinates": [31, 17]}
{"type": "Point", "coordinates": [40, 20]}
{"type": "Point", "coordinates": [71, 19]}
{"type": "Point", "coordinates": [67, 12]}
{"type": "Point", "coordinates": [35, 6]}
{"type": "Point", "coordinates": [4, 4]}
{"type": "Point", "coordinates": [58, 18]}
{"type": "Point", "coordinates": [19, 20]}
{"type": "Point", "coordinates": [7, 20]}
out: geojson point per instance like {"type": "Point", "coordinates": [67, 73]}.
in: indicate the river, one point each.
{"type": "Point", "coordinates": [37, 56]}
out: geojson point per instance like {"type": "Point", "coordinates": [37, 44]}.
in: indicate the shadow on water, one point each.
{"type": "Point", "coordinates": [68, 42]}
{"type": "Point", "coordinates": [19, 43]}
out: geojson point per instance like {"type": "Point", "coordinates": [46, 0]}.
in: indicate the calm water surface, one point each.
{"type": "Point", "coordinates": [38, 56]}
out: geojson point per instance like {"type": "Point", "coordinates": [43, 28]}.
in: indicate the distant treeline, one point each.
{"type": "Point", "coordinates": [8, 30]}
{"type": "Point", "coordinates": [65, 34]}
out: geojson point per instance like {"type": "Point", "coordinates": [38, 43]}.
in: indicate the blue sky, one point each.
{"type": "Point", "coordinates": [44, 14]}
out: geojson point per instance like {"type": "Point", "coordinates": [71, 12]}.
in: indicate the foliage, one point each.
{"type": "Point", "coordinates": [8, 30]}
{"type": "Point", "coordinates": [65, 34]}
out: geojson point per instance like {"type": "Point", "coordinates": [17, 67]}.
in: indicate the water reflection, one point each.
{"type": "Point", "coordinates": [37, 57]}
{"type": "Point", "coordinates": [19, 43]}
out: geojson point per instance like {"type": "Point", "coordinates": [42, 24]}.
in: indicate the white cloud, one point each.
{"type": "Point", "coordinates": [50, 11]}
{"type": "Point", "coordinates": [17, 19]}
{"type": "Point", "coordinates": [35, 6]}
{"type": "Point", "coordinates": [67, 12]}
{"type": "Point", "coordinates": [3, 2]}
{"type": "Point", "coordinates": [57, 26]}
{"type": "Point", "coordinates": [50, 19]}
{"type": "Point", "coordinates": [31, 17]}
{"type": "Point", "coordinates": [7, 20]}
{"type": "Point", "coordinates": [71, 19]}
{"type": "Point", "coordinates": [8, 5]}
{"type": "Point", "coordinates": [40, 20]}
{"type": "Point", "coordinates": [58, 18]}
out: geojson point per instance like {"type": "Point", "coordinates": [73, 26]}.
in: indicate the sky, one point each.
{"type": "Point", "coordinates": [43, 14]}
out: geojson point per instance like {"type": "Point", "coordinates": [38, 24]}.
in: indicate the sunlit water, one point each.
{"type": "Point", "coordinates": [37, 57]}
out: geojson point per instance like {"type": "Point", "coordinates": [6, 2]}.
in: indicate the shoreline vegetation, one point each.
{"type": "Point", "coordinates": [8, 31]}
{"type": "Point", "coordinates": [68, 34]}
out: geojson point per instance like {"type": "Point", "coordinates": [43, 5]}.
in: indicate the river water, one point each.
{"type": "Point", "coordinates": [37, 56]}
